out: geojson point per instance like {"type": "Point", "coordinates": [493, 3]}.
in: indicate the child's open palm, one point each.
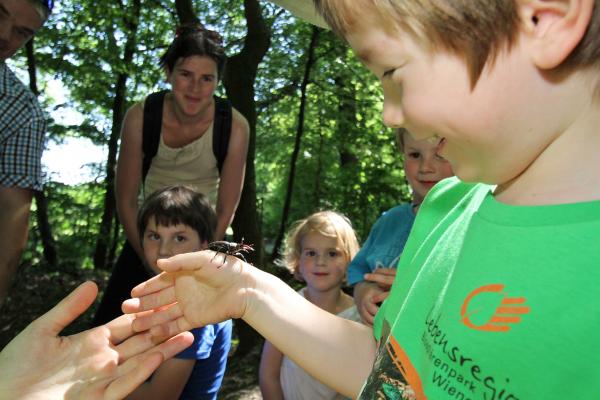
{"type": "Point", "coordinates": [196, 289]}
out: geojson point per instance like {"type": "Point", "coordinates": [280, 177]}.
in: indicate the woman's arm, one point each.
{"type": "Point", "coordinates": [232, 173]}
{"type": "Point", "coordinates": [167, 382]}
{"type": "Point", "coordinates": [129, 174]}
{"type": "Point", "coordinates": [269, 371]}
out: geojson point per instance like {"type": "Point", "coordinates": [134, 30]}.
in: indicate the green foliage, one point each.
{"type": "Point", "coordinates": [348, 159]}
{"type": "Point", "coordinates": [74, 212]}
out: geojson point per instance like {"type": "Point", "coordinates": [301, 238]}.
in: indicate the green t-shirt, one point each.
{"type": "Point", "coordinates": [492, 302]}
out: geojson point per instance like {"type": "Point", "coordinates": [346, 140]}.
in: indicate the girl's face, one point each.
{"type": "Point", "coordinates": [423, 166]}
{"type": "Point", "coordinates": [322, 263]}
{"type": "Point", "coordinates": [193, 83]}
{"type": "Point", "coordinates": [161, 241]}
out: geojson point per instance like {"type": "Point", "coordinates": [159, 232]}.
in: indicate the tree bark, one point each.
{"type": "Point", "coordinates": [41, 214]}
{"type": "Point", "coordinates": [310, 60]}
{"type": "Point", "coordinates": [118, 111]}
{"type": "Point", "coordinates": [239, 77]}
{"type": "Point", "coordinates": [185, 11]}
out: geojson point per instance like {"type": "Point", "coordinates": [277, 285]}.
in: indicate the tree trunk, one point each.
{"type": "Point", "coordinates": [185, 11]}
{"type": "Point", "coordinates": [118, 112]}
{"type": "Point", "coordinates": [299, 132]}
{"type": "Point", "coordinates": [41, 214]}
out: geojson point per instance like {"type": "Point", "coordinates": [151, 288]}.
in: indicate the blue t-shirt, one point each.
{"type": "Point", "coordinates": [210, 350]}
{"type": "Point", "coordinates": [384, 244]}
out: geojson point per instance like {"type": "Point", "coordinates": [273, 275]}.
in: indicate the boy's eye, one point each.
{"type": "Point", "coordinates": [153, 236]}
{"type": "Point", "coordinates": [310, 253]}
{"type": "Point", "coordinates": [333, 253]}
{"type": "Point", "coordinates": [180, 238]}
{"type": "Point", "coordinates": [208, 79]}
{"type": "Point", "coordinates": [388, 73]}
{"type": "Point", "coordinates": [414, 154]}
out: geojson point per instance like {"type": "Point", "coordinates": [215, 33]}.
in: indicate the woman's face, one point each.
{"type": "Point", "coordinates": [193, 83]}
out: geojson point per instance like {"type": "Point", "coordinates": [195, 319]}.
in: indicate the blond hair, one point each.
{"type": "Point", "coordinates": [326, 223]}
{"type": "Point", "coordinates": [475, 30]}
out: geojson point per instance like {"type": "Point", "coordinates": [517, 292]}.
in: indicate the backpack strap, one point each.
{"type": "Point", "coordinates": [221, 130]}
{"type": "Point", "coordinates": [153, 107]}
{"type": "Point", "coordinates": [152, 127]}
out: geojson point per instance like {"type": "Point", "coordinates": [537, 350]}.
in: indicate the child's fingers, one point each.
{"type": "Point", "coordinates": [145, 321]}
{"type": "Point", "coordinates": [153, 285]}
{"type": "Point", "coordinates": [121, 328]}
{"type": "Point", "coordinates": [151, 301]}
{"type": "Point", "coordinates": [366, 316]}
{"type": "Point", "coordinates": [378, 298]}
{"type": "Point", "coordinates": [380, 279]}
{"type": "Point", "coordinates": [171, 328]}
{"type": "Point", "coordinates": [69, 308]}
{"type": "Point", "coordinates": [385, 271]}
{"type": "Point", "coordinates": [188, 261]}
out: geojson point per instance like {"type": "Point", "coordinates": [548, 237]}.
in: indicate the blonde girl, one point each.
{"type": "Point", "coordinates": [318, 251]}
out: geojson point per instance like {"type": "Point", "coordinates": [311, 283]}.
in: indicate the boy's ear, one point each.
{"type": "Point", "coordinates": [554, 28]}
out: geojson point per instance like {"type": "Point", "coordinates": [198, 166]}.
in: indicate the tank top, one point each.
{"type": "Point", "coordinates": [193, 165]}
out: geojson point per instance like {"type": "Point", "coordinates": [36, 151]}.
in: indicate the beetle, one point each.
{"type": "Point", "coordinates": [230, 249]}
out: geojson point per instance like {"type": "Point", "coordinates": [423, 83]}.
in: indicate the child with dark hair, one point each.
{"type": "Point", "coordinates": [172, 221]}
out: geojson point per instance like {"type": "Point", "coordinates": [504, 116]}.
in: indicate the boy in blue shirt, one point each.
{"type": "Point", "coordinates": [172, 221]}
{"type": "Point", "coordinates": [499, 288]}
{"type": "Point", "coordinates": [373, 269]}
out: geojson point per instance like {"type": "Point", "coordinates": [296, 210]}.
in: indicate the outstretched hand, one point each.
{"type": "Point", "coordinates": [107, 362]}
{"type": "Point", "coordinates": [196, 289]}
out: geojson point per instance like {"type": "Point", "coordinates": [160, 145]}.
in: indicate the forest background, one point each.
{"type": "Point", "coordinates": [317, 140]}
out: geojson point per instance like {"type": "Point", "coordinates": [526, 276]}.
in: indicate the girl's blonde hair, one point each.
{"type": "Point", "coordinates": [326, 223]}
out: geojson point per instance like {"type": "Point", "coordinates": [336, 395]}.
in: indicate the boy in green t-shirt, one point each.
{"type": "Point", "coordinates": [499, 284]}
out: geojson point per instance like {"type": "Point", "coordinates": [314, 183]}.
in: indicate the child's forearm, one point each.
{"type": "Point", "coordinates": [338, 352]}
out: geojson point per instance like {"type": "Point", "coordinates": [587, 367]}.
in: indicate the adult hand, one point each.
{"type": "Point", "coordinates": [367, 297]}
{"type": "Point", "coordinates": [383, 277]}
{"type": "Point", "coordinates": [107, 362]}
{"type": "Point", "coordinates": [196, 289]}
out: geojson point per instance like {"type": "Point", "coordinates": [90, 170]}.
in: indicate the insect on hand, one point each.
{"type": "Point", "coordinates": [230, 249]}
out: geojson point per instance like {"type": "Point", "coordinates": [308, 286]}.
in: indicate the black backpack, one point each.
{"type": "Point", "coordinates": [153, 108]}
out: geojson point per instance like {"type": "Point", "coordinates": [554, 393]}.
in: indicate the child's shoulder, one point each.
{"type": "Point", "coordinates": [452, 191]}
{"type": "Point", "coordinates": [399, 210]}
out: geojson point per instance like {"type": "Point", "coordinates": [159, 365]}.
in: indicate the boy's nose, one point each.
{"type": "Point", "coordinates": [393, 116]}
{"type": "Point", "coordinates": [164, 249]}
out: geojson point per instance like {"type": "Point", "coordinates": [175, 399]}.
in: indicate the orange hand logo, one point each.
{"type": "Point", "coordinates": [507, 313]}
